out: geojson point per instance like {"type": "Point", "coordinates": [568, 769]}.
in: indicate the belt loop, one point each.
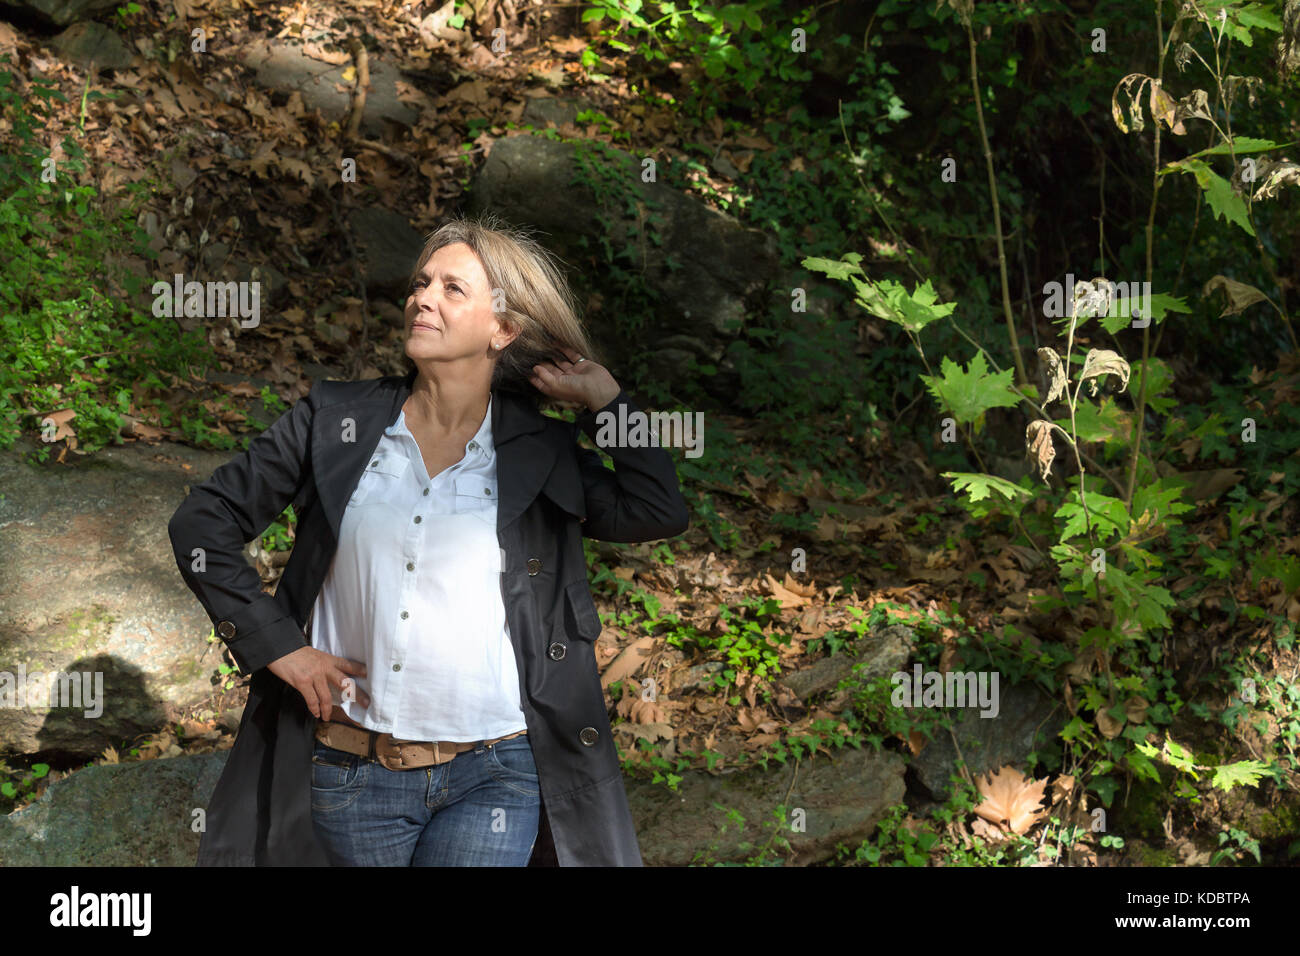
{"type": "Point", "coordinates": [371, 735]}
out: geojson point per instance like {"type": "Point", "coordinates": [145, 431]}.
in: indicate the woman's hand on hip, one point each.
{"type": "Point", "coordinates": [587, 382]}
{"type": "Point", "coordinates": [311, 672]}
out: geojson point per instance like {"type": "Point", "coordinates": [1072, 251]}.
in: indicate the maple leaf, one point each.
{"type": "Point", "coordinates": [1010, 800]}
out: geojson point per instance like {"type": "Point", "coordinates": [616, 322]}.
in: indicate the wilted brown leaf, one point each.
{"type": "Point", "coordinates": [1038, 446]}
{"type": "Point", "coordinates": [1240, 295]}
{"type": "Point", "coordinates": [1134, 110]}
{"type": "Point", "coordinates": [1275, 176]}
{"type": "Point", "coordinates": [1056, 377]}
{"type": "Point", "coordinates": [1104, 362]}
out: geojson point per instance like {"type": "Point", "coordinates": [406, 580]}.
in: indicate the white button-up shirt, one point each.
{"type": "Point", "coordinates": [414, 591]}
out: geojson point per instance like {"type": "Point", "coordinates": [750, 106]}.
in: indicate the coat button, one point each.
{"type": "Point", "coordinates": [557, 651]}
{"type": "Point", "coordinates": [588, 735]}
{"type": "Point", "coordinates": [225, 630]}
{"type": "Point", "coordinates": [534, 565]}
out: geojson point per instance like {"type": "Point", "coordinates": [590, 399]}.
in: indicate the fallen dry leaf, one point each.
{"type": "Point", "coordinates": [783, 593]}
{"type": "Point", "coordinates": [1109, 726]}
{"type": "Point", "coordinates": [628, 662]}
{"type": "Point", "coordinates": [1010, 800]}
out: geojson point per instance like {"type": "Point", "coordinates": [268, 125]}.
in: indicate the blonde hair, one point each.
{"type": "Point", "coordinates": [537, 298]}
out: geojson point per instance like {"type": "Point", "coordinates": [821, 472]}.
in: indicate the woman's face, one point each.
{"type": "Point", "coordinates": [449, 309]}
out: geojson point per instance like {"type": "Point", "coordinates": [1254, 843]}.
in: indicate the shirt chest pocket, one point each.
{"type": "Point", "coordinates": [382, 477]}
{"type": "Point", "coordinates": [476, 495]}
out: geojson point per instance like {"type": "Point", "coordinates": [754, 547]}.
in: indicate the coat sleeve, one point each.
{"type": "Point", "coordinates": [639, 500]}
{"type": "Point", "coordinates": [234, 506]}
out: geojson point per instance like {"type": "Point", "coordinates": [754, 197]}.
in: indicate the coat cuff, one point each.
{"type": "Point", "coordinates": [587, 419]}
{"type": "Point", "coordinates": [259, 633]}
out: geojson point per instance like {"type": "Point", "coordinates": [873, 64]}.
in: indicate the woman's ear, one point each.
{"type": "Point", "coordinates": [505, 335]}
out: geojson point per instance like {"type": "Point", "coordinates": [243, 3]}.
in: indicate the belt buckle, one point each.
{"type": "Point", "coordinates": [388, 752]}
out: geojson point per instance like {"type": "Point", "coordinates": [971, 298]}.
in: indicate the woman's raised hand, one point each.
{"type": "Point", "coordinates": [588, 383]}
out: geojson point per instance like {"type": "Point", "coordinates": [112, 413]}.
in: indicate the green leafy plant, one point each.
{"type": "Point", "coordinates": [1105, 525]}
{"type": "Point", "coordinates": [280, 534]}
{"type": "Point", "coordinates": [123, 13]}
{"type": "Point", "coordinates": [731, 45]}
{"type": "Point", "coordinates": [69, 337]}
{"type": "Point", "coordinates": [21, 783]}
{"type": "Point", "coordinates": [1233, 845]}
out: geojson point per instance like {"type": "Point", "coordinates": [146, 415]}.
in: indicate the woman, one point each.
{"type": "Point", "coordinates": [448, 697]}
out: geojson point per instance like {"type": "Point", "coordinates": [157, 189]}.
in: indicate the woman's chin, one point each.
{"type": "Point", "coordinates": [417, 351]}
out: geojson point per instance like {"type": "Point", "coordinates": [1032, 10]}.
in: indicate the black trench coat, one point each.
{"type": "Point", "coordinates": [550, 494]}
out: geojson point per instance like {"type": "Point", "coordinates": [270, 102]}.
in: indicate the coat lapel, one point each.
{"type": "Point", "coordinates": [345, 432]}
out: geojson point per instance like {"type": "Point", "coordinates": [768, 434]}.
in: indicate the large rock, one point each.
{"type": "Point", "coordinates": [129, 814]}
{"type": "Point", "coordinates": [546, 111]}
{"type": "Point", "coordinates": [388, 247]}
{"type": "Point", "coordinates": [63, 12]}
{"type": "Point", "coordinates": [842, 797]}
{"type": "Point", "coordinates": [706, 267]}
{"type": "Point", "coordinates": [91, 42]}
{"type": "Point", "coordinates": [1025, 722]}
{"type": "Point", "coordinates": [880, 653]}
{"type": "Point", "coordinates": [88, 584]}
{"type": "Point", "coordinates": [283, 66]}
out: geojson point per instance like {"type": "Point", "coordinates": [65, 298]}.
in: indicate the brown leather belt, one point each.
{"type": "Point", "coordinates": [392, 752]}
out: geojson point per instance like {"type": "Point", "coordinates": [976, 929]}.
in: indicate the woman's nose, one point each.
{"type": "Point", "coordinates": [424, 299]}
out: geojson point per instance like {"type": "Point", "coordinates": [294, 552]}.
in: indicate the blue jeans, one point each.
{"type": "Point", "coordinates": [480, 808]}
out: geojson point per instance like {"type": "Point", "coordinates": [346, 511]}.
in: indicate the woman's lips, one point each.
{"type": "Point", "coordinates": [419, 326]}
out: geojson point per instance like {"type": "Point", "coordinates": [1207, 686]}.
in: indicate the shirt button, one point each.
{"type": "Point", "coordinates": [417, 519]}
{"type": "Point", "coordinates": [473, 446]}
{"type": "Point", "coordinates": [410, 566]}
{"type": "Point", "coordinates": [534, 565]}
{"type": "Point", "coordinates": [426, 491]}
{"type": "Point", "coordinates": [588, 736]}
{"type": "Point", "coordinates": [487, 492]}
{"type": "Point", "coordinates": [375, 463]}
{"type": "Point", "coordinates": [397, 667]}
{"type": "Point", "coordinates": [405, 615]}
